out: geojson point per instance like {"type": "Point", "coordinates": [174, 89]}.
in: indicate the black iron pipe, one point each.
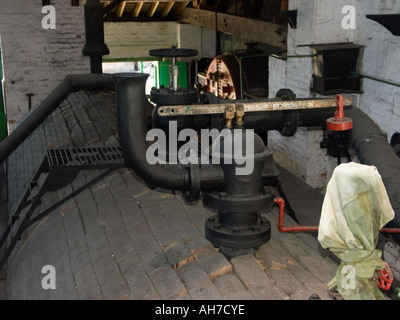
{"type": "Point", "coordinates": [47, 106]}
{"type": "Point", "coordinates": [132, 128]}
{"type": "Point", "coordinates": [372, 148]}
{"type": "Point", "coordinates": [94, 47]}
{"type": "Point", "coordinates": [259, 121]}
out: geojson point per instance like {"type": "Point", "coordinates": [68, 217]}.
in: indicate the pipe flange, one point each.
{"type": "Point", "coordinates": [168, 97]}
{"type": "Point", "coordinates": [293, 117]}
{"type": "Point", "coordinates": [291, 124]}
{"type": "Point", "coordinates": [251, 236]}
{"type": "Point", "coordinates": [223, 202]}
{"type": "Point", "coordinates": [286, 94]}
{"type": "Point", "coordinates": [193, 192]}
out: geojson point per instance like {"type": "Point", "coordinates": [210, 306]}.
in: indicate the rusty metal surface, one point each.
{"type": "Point", "coordinates": [182, 110]}
{"type": "Point", "coordinates": [222, 77]}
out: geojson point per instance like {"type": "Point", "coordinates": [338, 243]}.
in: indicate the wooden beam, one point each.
{"type": "Point", "coordinates": [153, 9]}
{"type": "Point", "coordinates": [121, 8]}
{"type": "Point", "coordinates": [137, 9]}
{"type": "Point", "coordinates": [181, 6]}
{"type": "Point", "coordinates": [256, 30]}
{"type": "Point", "coordinates": [149, 1]}
{"type": "Point", "coordinates": [167, 8]}
{"type": "Point", "coordinates": [111, 5]}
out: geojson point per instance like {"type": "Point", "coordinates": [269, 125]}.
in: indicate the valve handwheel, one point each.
{"type": "Point", "coordinates": [173, 52]}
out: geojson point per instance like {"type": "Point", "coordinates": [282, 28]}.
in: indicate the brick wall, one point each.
{"type": "Point", "coordinates": [36, 59]}
{"type": "Point", "coordinates": [135, 39]}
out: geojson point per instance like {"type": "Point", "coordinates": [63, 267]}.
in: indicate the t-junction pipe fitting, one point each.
{"type": "Point", "coordinates": [238, 226]}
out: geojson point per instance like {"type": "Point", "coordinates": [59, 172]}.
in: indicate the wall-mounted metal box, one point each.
{"type": "Point", "coordinates": [333, 64]}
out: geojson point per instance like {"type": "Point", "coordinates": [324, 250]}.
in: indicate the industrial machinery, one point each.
{"type": "Point", "coordinates": [238, 199]}
{"type": "Point", "coordinates": [238, 74]}
{"type": "Point", "coordinates": [173, 93]}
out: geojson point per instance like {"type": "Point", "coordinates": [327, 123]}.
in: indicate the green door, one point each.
{"type": "Point", "coordinates": [164, 74]}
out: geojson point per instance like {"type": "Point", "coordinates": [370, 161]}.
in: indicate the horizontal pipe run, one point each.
{"type": "Point", "coordinates": [295, 56]}
{"type": "Point", "coordinates": [47, 106]}
{"type": "Point", "coordinates": [374, 79]}
{"type": "Point", "coordinates": [281, 202]}
{"type": "Point", "coordinates": [261, 106]}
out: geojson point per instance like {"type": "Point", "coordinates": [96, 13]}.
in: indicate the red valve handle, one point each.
{"type": "Point", "coordinates": [339, 122]}
{"type": "Point", "coordinates": [339, 114]}
{"type": "Point", "coordinates": [385, 277]}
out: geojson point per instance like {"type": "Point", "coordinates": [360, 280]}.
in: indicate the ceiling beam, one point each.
{"type": "Point", "coordinates": [151, 1]}
{"type": "Point", "coordinates": [137, 9]}
{"type": "Point", "coordinates": [256, 30]}
{"type": "Point", "coordinates": [111, 5]}
{"type": "Point", "coordinates": [121, 8]}
{"type": "Point", "coordinates": [153, 9]}
{"type": "Point", "coordinates": [167, 8]}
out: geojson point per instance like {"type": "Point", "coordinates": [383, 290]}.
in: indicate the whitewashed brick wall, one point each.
{"type": "Point", "coordinates": [320, 22]}
{"type": "Point", "coordinates": [35, 60]}
{"type": "Point", "coordinates": [381, 59]}
{"type": "Point", "coordinates": [135, 39]}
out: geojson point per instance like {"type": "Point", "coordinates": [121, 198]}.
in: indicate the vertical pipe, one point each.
{"type": "Point", "coordinates": [95, 47]}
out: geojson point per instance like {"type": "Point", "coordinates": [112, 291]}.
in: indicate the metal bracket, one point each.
{"type": "Point", "coordinates": [389, 21]}
{"type": "Point", "coordinates": [291, 17]}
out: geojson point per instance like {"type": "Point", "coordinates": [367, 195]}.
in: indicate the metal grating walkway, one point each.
{"type": "Point", "coordinates": [85, 157]}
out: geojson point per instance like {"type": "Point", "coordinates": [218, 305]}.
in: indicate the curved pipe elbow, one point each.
{"type": "Point", "coordinates": [132, 128]}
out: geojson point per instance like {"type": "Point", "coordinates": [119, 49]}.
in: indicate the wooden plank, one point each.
{"type": "Point", "coordinates": [260, 31]}
{"type": "Point", "coordinates": [167, 8]}
{"type": "Point", "coordinates": [137, 9]}
{"type": "Point", "coordinates": [149, 1]}
{"type": "Point", "coordinates": [153, 9]}
{"type": "Point", "coordinates": [121, 8]}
